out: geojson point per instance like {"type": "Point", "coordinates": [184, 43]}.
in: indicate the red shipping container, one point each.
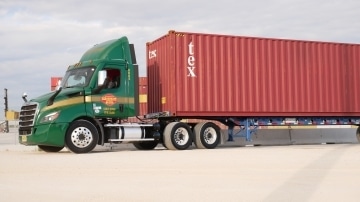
{"type": "Point", "coordinates": [199, 75]}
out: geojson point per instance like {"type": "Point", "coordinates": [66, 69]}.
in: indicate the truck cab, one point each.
{"type": "Point", "coordinates": [101, 89]}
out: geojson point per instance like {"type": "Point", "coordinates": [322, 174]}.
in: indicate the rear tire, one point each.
{"type": "Point", "coordinates": [148, 145]}
{"type": "Point", "coordinates": [358, 134]}
{"type": "Point", "coordinates": [207, 135]}
{"type": "Point", "coordinates": [50, 149]}
{"type": "Point", "coordinates": [177, 136]}
{"type": "Point", "coordinates": [81, 137]}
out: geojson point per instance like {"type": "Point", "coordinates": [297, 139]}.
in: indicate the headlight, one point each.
{"type": "Point", "coordinates": [50, 117]}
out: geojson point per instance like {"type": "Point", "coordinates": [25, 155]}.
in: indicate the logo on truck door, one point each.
{"type": "Point", "coordinates": [191, 61]}
{"type": "Point", "coordinates": [109, 99]}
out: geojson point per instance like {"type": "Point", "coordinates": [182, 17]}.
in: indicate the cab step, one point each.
{"type": "Point", "coordinates": [131, 140]}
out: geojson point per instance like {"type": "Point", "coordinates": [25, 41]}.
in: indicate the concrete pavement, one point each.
{"type": "Point", "coordinates": [321, 172]}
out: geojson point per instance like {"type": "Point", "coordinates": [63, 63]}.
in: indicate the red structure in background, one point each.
{"type": "Point", "coordinates": [143, 91]}
{"type": "Point", "coordinates": [54, 82]}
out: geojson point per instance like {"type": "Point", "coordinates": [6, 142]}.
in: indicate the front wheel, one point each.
{"type": "Point", "coordinates": [81, 137]}
{"type": "Point", "coordinates": [51, 149]}
{"type": "Point", "coordinates": [207, 135]}
{"type": "Point", "coordinates": [177, 135]}
{"type": "Point", "coordinates": [358, 134]}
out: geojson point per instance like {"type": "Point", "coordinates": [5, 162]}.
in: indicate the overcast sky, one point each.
{"type": "Point", "coordinates": [40, 38]}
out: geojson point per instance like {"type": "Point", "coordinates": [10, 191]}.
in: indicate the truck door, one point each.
{"type": "Point", "coordinates": [112, 101]}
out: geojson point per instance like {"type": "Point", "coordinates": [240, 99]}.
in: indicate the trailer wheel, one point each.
{"type": "Point", "coordinates": [207, 135]}
{"type": "Point", "coordinates": [81, 137]}
{"type": "Point", "coordinates": [148, 145]}
{"type": "Point", "coordinates": [358, 134]}
{"type": "Point", "coordinates": [177, 135]}
{"type": "Point", "coordinates": [50, 148]}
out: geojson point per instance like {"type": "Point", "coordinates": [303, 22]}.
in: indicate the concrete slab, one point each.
{"type": "Point", "coordinates": [275, 173]}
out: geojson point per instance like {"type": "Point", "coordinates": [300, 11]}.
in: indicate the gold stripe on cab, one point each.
{"type": "Point", "coordinates": [66, 102]}
{"type": "Point", "coordinates": [77, 100]}
{"type": "Point", "coordinates": [91, 98]}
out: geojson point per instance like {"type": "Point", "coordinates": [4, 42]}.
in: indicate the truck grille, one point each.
{"type": "Point", "coordinates": [27, 118]}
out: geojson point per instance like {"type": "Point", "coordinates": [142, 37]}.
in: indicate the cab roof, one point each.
{"type": "Point", "coordinates": [109, 50]}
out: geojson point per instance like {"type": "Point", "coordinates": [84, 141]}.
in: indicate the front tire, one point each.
{"type": "Point", "coordinates": [50, 149]}
{"type": "Point", "coordinates": [177, 136]}
{"type": "Point", "coordinates": [207, 135]}
{"type": "Point", "coordinates": [81, 137]}
{"type": "Point", "coordinates": [358, 134]}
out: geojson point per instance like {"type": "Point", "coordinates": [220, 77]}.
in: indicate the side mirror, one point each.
{"type": "Point", "coordinates": [101, 81]}
{"type": "Point", "coordinates": [101, 77]}
{"type": "Point", "coordinates": [24, 97]}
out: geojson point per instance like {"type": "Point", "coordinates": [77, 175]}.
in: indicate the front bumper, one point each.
{"type": "Point", "coordinates": [52, 134]}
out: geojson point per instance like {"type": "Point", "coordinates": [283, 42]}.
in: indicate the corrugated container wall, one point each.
{"type": "Point", "coordinates": [194, 75]}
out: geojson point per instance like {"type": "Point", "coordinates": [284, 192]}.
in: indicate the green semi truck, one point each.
{"type": "Point", "coordinates": [95, 95]}
{"type": "Point", "coordinates": [233, 80]}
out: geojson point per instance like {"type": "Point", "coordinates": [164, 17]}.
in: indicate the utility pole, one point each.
{"type": "Point", "coordinates": [6, 109]}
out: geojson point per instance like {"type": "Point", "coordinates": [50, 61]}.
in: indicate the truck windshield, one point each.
{"type": "Point", "coordinates": [78, 77]}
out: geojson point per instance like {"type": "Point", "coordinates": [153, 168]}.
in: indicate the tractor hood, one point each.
{"type": "Point", "coordinates": [63, 94]}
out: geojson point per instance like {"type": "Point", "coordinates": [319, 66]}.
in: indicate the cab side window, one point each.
{"type": "Point", "coordinates": [113, 76]}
